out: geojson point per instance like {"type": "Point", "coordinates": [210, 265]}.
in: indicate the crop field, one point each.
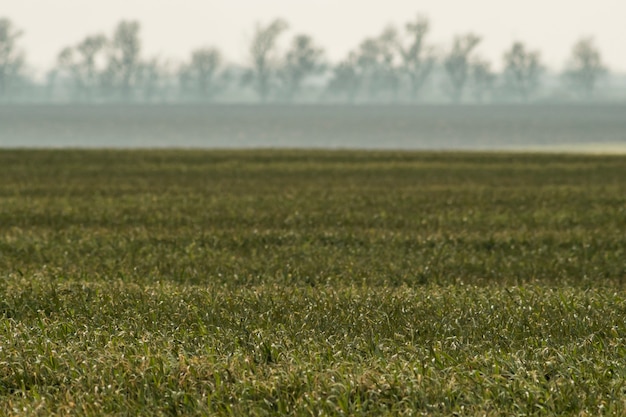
{"type": "Point", "coordinates": [171, 282]}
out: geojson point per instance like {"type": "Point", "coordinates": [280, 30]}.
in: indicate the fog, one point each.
{"type": "Point", "coordinates": [399, 87]}
{"type": "Point", "coordinates": [597, 127]}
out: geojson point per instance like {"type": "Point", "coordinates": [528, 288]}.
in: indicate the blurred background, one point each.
{"type": "Point", "coordinates": [490, 74]}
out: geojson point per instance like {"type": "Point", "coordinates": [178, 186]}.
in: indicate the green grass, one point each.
{"type": "Point", "coordinates": [311, 282]}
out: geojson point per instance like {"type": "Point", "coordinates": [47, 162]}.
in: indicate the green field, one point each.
{"type": "Point", "coordinates": [311, 283]}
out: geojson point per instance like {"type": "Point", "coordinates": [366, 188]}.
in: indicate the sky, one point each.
{"type": "Point", "coordinates": [172, 28]}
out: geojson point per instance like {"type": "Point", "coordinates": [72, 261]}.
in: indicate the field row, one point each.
{"type": "Point", "coordinates": [104, 348]}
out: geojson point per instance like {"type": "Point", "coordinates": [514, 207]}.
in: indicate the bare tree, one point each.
{"type": "Point", "coordinates": [80, 63]}
{"type": "Point", "coordinates": [124, 58]}
{"type": "Point", "coordinates": [66, 62]}
{"type": "Point", "coordinates": [346, 78]}
{"type": "Point", "coordinates": [263, 57]}
{"type": "Point", "coordinates": [153, 75]}
{"type": "Point", "coordinates": [51, 79]}
{"type": "Point", "coordinates": [482, 79]}
{"type": "Point", "coordinates": [302, 60]}
{"type": "Point", "coordinates": [389, 75]}
{"type": "Point", "coordinates": [199, 76]}
{"type": "Point", "coordinates": [372, 66]}
{"type": "Point", "coordinates": [585, 67]}
{"type": "Point", "coordinates": [457, 64]}
{"type": "Point", "coordinates": [11, 58]}
{"type": "Point", "coordinates": [418, 59]}
{"type": "Point", "coordinates": [522, 70]}
{"type": "Point", "coordinates": [89, 49]}
{"type": "Point", "coordinates": [376, 58]}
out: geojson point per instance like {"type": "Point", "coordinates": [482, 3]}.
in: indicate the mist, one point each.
{"type": "Point", "coordinates": [447, 127]}
{"type": "Point", "coordinates": [396, 89]}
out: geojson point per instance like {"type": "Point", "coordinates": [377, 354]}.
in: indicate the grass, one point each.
{"type": "Point", "coordinates": [311, 282]}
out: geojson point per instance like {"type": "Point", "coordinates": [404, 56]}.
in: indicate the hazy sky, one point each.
{"type": "Point", "coordinates": [171, 28]}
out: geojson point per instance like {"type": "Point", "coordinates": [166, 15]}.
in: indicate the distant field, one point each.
{"type": "Point", "coordinates": [598, 148]}
{"type": "Point", "coordinates": [312, 283]}
{"type": "Point", "coordinates": [560, 127]}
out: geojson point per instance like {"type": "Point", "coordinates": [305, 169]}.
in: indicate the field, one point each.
{"type": "Point", "coordinates": [311, 283]}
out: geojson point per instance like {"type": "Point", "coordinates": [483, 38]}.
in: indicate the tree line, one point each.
{"type": "Point", "coordinates": [400, 64]}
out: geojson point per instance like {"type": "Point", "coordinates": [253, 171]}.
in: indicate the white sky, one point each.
{"type": "Point", "coordinates": [172, 28]}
